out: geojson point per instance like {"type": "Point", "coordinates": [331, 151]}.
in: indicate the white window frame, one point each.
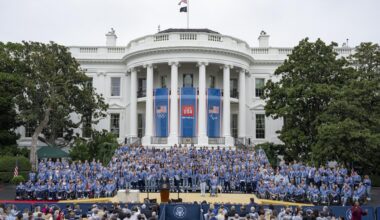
{"type": "Point", "coordinates": [111, 89]}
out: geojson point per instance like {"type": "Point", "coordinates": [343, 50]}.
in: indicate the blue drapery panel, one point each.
{"type": "Point", "coordinates": [188, 112]}
{"type": "Point", "coordinates": [213, 113]}
{"type": "Point", "coordinates": [161, 108]}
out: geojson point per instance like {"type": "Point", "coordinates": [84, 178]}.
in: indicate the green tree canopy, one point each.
{"type": "Point", "coordinates": [350, 126]}
{"type": "Point", "coordinates": [101, 147]}
{"type": "Point", "coordinates": [307, 79]}
{"type": "Point", "coordinates": [54, 89]}
{"type": "Point", "coordinates": [10, 84]}
{"type": "Point", "coordinates": [330, 105]}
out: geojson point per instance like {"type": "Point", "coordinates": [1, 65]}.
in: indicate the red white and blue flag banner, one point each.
{"type": "Point", "coordinates": [188, 112]}
{"type": "Point", "coordinates": [161, 114]}
{"type": "Point", "coordinates": [15, 173]}
{"type": "Point", "coordinates": [182, 1]}
{"type": "Point", "coordinates": [184, 8]}
{"type": "Point", "coordinates": [213, 113]}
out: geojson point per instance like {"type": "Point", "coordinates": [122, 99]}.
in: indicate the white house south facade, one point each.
{"type": "Point", "coordinates": [184, 86]}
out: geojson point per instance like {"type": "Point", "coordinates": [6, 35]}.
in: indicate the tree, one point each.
{"type": "Point", "coordinates": [273, 151]}
{"type": "Point", "coordinates": [350, 126]}
{"type": "Point", "coordinates": [101, 147]}
{"type": "Point", "coordinates": [54, 89]}
{"type": "Point", "coordinates": [10, 84]}
{"type": "Point", "coordinates": [307, 79]}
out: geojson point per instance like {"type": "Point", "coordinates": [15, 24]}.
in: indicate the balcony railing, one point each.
{"type": "Point", "coordinates": [220, 140]}
{"type": "Point", "coordinates": [141, 93]}
{"type": "Point", "coordinates": [133, 141]}
{"type": "Point", "coordinates": [159, 140]}
{"type": "Point", "coordinates": [234, 93]}
{"type": "Point", "coordinates": [241, 141]}
{"type": "Point", "coordinates": [188, 140]}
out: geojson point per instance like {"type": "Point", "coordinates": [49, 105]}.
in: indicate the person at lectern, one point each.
{"type": "Point", "coordinates": [164, 182]}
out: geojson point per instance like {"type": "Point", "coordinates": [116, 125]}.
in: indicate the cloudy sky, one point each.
{"type": "Point", "coordinates": [84, 22]}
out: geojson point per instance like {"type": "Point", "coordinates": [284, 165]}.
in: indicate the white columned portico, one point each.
{"type": "Point", "coordinates": [202, 134]}
{"type": "Point", "coordinates": [149, 105]}
{"type": "Point", "coordinates": [173, 135]}
{"type": "Point", "coordinates": [227, 106]}
{"type": "Point", "coordinates": [241, 120]}
{"type": "Point", "coordinates": [133, 104]}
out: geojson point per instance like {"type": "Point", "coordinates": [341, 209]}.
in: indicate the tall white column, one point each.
{"type": "Point", "coordinates": [133, 104]}
{"type": "Point", "coordinates": [202, 123]}
{"type": "Point", "coordinates": [148, 105]}
{"type": "Point", "coordinates": [173, 135]}
{"type": "Point", "coordinates": [227, 106]}
{"type": "Point", "coordinates": [241, 122]}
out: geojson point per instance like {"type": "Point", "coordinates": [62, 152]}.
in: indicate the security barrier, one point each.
{"type": "Point", "coordinates": [183, 211]}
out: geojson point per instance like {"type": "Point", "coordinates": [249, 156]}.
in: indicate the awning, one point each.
{"type": "Point", "coordinates": [51, 152]}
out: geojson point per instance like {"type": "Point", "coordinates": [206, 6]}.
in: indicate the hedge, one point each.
{"type": "Point", "coordinates": [7, 167]}
{"type": "Point", "coordinates": [6, 177]}
{"type": "Point", "coordinates": [8, 163]}
{"type": "Point", "coordinates": [375, 179]}
{"type": "Point", "coordinates": [17, 179]}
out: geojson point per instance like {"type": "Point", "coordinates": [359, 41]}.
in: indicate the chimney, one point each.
{"type": "Point", "coordinates": [111, 38]}
{"type": "Point", "coordinates": [263, 39]}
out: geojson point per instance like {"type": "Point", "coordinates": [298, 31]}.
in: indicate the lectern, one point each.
{"type": "Point", "coordinates": [164, 189]}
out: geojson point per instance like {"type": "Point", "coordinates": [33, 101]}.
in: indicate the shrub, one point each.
{"type": "Point", "coordinates": [375, 180]}
{"type": "Point", "coordinates": [17, 179]}
{"type": "Point", "coordinates": [13, 150]}
{"type": "Point", "coordinates": [7, 166]}
{"type": "Point", "coordinates": [101, 147]}
{"type": "Point", "coordinates": [273, 151]}
{"type": "Point", "coordinates": [6, 177]}
{"type": "Point", "coordinates": [8, 163]}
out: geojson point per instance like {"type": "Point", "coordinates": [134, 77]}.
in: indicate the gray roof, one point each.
{"type": "Point", "coordinates": [171, 30]}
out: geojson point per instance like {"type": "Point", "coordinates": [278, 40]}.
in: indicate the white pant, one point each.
{"type": "Point", "coordinates": [203, 188]}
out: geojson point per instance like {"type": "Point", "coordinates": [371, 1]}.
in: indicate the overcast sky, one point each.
{"type": "Point", "coordinates": [85, 22]}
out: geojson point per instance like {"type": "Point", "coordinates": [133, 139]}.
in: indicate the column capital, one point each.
{"type": "Point", "coordinates": [202, 63]}
{"type": "Point", "coordinates": [175, 63]}
{"type": "Point", "coordinates": [226, 66]}
{"type": "Point", "coordinates": [243, 70]}
{"type": "Point", "coordinates": [148, 65]}
{"type": "Point", "coordinates": [101, 73]}
{"type": "Point", "coordinates": [131, 69]}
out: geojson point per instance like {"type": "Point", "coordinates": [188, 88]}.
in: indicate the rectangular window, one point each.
{"type": "Point", "coordinates": [259, 87]}
{"type": "Point", "coordinates": [212, 82]}
{"type": "Point", "coordinates": [234, 88]}
{"type": "Point", "coordinates": [29, 130]}
{"type": "Point", "coordinates": [115, 86]}
{"type": "Point", "coordinates": [140, 125]}
{"type": "Point", "coordinates": [234, 126]}
{"type": "Point", "coordinates": [90, 82]}
{"type": "Point", "coordinates": [86, 127]}
{"type": "Point", "coordinates": [163, 82]}
{"type": "Point", "coordinates": [141, 90]}
{"type": "Point", "coordinates": [260, 126]}
{"type": "Point", "coordinates": [115, 124]}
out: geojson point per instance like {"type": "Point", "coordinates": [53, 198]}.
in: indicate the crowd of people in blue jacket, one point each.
{"type": "Point", "coordinates": [189, 169]}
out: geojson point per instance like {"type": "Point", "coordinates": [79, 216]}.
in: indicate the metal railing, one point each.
{"type": "Point", "coordinates": [141, 93]}
{"type": "Point", "coordinates": [188, 140]}
{"type": "Point", "coordinates": [159, 140]}
{"type": "Point", "coordinates": [133, 141]}
{"type": "Point", "coordinates": [219, 140]}
{"type": "Point", "coordinates": [239, 141]}
{"type": "Point", "coordinates": [234, 93]}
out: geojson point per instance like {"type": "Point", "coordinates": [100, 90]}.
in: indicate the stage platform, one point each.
{"type": "Point", "coordinates": [236, 198]}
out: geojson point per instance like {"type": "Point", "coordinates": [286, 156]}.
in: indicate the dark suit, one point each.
{"type": "Point", "coordinates": [164, 183]}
